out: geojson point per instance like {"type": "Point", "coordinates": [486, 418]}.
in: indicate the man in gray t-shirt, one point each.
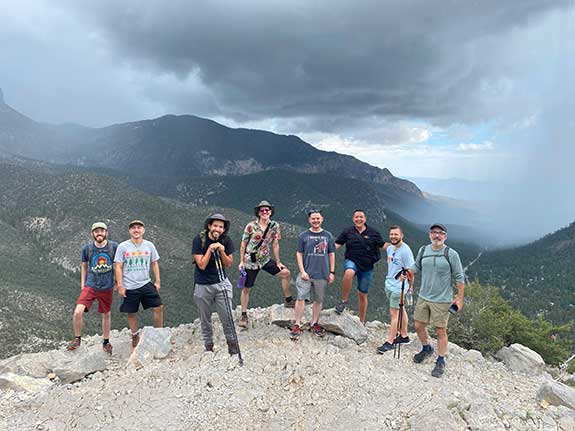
{"type": "Point", "coordinates": [316, 262]}
{"type": "Point", "coordinates": [132, 263]}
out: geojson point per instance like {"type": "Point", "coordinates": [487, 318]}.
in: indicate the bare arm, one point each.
{"type": "Point", "coordinates": [118, 270]}
{"type": "Point", "coordinates": [331, 268]}
{"type": "Point", "coordinates": [156, 271]}
{"type": "Point", "coordinates": [460, 288]}
{"type": "Point", "coordinates": [83, 272]}
{"type": "Point", "coordinates": [276, 251]}
{"type": "Point", "coordinates": [243, 245]}
{"type": "Point", "coordinates": [299, 259]}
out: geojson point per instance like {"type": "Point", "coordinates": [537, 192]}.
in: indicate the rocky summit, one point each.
{"type": "Point", "coordinates": [334, 382]}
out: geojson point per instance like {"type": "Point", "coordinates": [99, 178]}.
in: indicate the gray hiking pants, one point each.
{"type": "Point", "coordinates": [207, 295]}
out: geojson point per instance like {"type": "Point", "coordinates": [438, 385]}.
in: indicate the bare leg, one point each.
{"type": "Point", "coordinates": [346, 284]}
{"type": "Point", "coordinates": [394, 314]}
{"type": "Point", "coordinates": [441, 340]}
{"type": "Point", "coordinates": [133, 322]}
{"type": "Point", "coordinates": [106, 323]}
{"type": "Point", "coordinates": [299, 307]}
{"type": "Point", "coordinates": [315, 311]}
{"type": "Point", "coordinates": [78, 319]}
{"type": "Point", "coordinates": [362, 306]}
{"type": "Point", "coordinates": [284, 274]}
{"type": "Point", "coordinates": [158, 315]}
{"type": "Point", "coordinates": [421, 329]}
{"type": "Point", "coordinates": [245, 299]}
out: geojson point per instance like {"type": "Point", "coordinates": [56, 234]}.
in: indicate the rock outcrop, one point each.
{"type": "Point", "coordinates": [314, 383]}
{"type": "Point", "coordinates": [520, 358]}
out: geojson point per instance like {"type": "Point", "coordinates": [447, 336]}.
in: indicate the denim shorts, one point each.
{"type": "Point", "coordinates": [363, 277]}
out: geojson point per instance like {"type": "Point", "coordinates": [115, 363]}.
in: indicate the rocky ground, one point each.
{"type": "Point", "coordinates": [312, 384]}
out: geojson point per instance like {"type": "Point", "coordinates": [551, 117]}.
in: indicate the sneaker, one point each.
{"type": "Point", "coordinates": [135, 340]}
{"type": "Point", "coordinates": [233, 348]}
{"type": "Point", "coordinates": [295, 332]}
{"type": "Point", "coordinates": [317, 330]}
{"type": "Point", "coordinates": [386, 347]}
{"type": "Point", "coordinates": [438, 369]}
{"type": "Point", "coordinates": [243, 322]}
{"type": "Point", "coordinates": [289, 304]}
{"type": "Point", "coordinates": [74, 344]}
{"type": "Point", "coordinates": [418, 358]}
{"type": "Point", "coordinates": [107, 348]}
{"type": "Point", "coordinates": [340, 307]}
{"type": "Point", "coordinates": [401, 340]}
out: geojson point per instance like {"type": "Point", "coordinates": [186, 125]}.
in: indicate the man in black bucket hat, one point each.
{"type": "Point", "coordinates": [259, 240]}
{"type": "Point", "coordinates": [212, 251]}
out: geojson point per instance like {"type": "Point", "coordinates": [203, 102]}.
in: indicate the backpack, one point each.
{"type": "Point", "coordinates": [445, 255]}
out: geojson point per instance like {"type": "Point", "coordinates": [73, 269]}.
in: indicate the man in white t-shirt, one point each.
{"type": "Point", "coordinates": [132, 264]}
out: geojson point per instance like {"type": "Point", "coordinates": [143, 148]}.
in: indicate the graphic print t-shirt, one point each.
{"type": "Point", "coordinates": [136, 260]}
{"type": "Point", "coordinates": [315, 247]}
{"type": "Point", "coordinates": [100, 274]}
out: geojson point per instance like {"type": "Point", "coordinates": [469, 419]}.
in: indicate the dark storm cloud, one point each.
{"type": "Point", "coordinates": [340, 59]}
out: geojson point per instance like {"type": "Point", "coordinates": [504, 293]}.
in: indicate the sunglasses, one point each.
{"type": "Point", "coordinates": [264, 210]}
{"type": "Point", "coordinates": [437, 232]}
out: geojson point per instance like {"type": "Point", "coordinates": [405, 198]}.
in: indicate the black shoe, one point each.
{"type": "Point", "coordinates": [289, 304]}
{"type": "Point", "coordinates": [209, 347]}
{"type": "Point", "coordinates": [340, 307]}
{"type": "Point", "coordinates": [418, 358]}
{"type": "Point", "coordinates": [438, 369]}
{"type": "Point", "coordinates": [386, 347]}
{"type": "Point", "coordinates": [401, 340]}
{"type": "Point", "coordinates": [233, 348]}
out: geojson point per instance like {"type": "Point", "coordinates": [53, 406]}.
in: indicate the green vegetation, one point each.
{"type": "Point", "coordinates": [488, 322]}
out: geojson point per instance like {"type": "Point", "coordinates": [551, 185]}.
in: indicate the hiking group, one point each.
{"type": "Point", "coordinates": [126, 267]}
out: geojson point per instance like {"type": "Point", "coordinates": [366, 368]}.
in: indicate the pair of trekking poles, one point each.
{"type": "Point", "coordinates": [222, 277]}
{"type": "Point", "coordinates": [397, 346]}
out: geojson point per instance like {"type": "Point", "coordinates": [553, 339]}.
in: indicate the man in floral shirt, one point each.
{"type": "Point", "coordinates": [259, 241]}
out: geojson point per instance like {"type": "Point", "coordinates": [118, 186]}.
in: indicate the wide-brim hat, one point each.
{"type": "Point", "coordinates": [264, 203]}
{"type": "Point", "coordinates": [220, 217]}
{"type": "Point", "coordinates": [99, 225]}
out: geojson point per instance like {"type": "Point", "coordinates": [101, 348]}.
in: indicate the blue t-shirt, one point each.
{"type": "Point", "coordinates": [316, 247]}
{"type": "Point", "coordinates": [396, 260]}
{"type": "Point", "coordinates": [100, 273]}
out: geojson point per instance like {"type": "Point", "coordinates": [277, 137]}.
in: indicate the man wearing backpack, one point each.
{"type": "Point", "coordinates": [132, 263]}
{"type": "Point", "coordinates": [212, 251]}
{"type": "Point", "coordinates": [259, 240]}
{"type": "Point", "coordinates": [438, 265]}
{"type": "Point", "coordinates": [96, 282]}
{"type": "Point", "coordinates": [362, 250]}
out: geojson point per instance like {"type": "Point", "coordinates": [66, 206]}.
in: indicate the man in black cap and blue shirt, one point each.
{"type": "Point", "coordinates": [96, 282]}
{"type": "Point", "coordinates": [438, 265]}
{"type": "Point", "coordinates": [259, 241]}
{"type": "Point", "coordinates": [212, 251]}
{"type": "Point", "coordinates": [133, 261]}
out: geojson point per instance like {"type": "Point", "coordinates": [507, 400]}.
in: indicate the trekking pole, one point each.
{"type": "Point", "coordinates": [397, 346]}
{"type": "Point", "coordinates": [222, 276]}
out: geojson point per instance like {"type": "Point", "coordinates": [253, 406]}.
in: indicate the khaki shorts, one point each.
{"type": "Point", "coordinates": [434, 313]}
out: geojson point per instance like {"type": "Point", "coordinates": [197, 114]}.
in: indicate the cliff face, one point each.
{"type": "Point", "coordinates": [314, 383]}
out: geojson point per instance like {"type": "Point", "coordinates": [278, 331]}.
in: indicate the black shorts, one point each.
{"type": "Point", "coordinates": [147, 295]}
{"type": "Point", "coordinates": [271, 267]}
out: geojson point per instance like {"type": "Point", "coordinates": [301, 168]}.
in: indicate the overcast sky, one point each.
{"type": "Point", "coordinates": [448, 88]}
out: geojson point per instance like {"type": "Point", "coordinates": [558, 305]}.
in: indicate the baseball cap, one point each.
{"type": "Point", "coordinates": [439, 226]}
{"type": "Point", "coordinates": [133, 222]}
{"type": "Point", "coordinates": [98, 225]}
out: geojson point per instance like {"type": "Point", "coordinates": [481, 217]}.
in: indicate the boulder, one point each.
{"type": "Point", "coordinates": [557, 394]}
{"type": "Point", "coordinates": [285, 317]}
{"type": "Point", "coordinates": [520, 358]}
{"type": "Point", "coordinates": [155, 343]}
{"type": "Point", "coordinates": [472, 356]}
{"type": "Point", "coordinates": [18, 382]}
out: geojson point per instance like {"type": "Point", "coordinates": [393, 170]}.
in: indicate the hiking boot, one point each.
{"type": "Point", "coordinates": [233, 348]}
{"type": "Point", "coordinates": [385, 347]}
{"type": "Point", "coordinates": [243, 322]}
{"type": "Point", "coordinates": [209, 347]}
{"type": "Point", "coordinates": [289, 304]}
{"type": "Point", "coordinates": [438, 369]}
{"type": "Point", "coordinates": [418, 358]}
{"type": "Point", "coordinates": [401, 340]}
{"type": "Point", "coordinates": [74, 344]}
{"type": "Point", "coordinates": [135, 340]}
{"type": "Point", "coordinates": [295, 332]}
{"type": "Point", "coordinates": [317, 330]}
{"type": "Point", "coordinates": [340, 307]}
{"type": "Point", "coordinates": [107, 348]}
